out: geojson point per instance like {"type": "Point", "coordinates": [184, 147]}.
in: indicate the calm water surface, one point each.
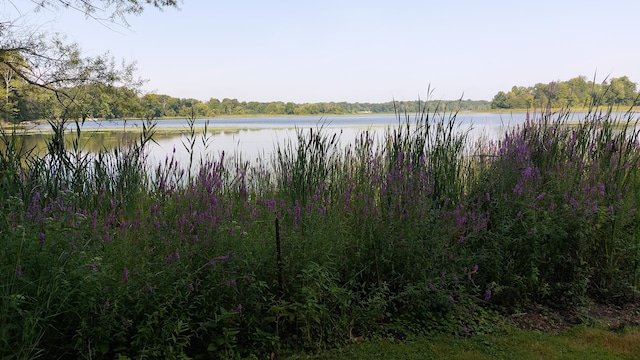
{"type": "Point", "coordinates": [257, 137]}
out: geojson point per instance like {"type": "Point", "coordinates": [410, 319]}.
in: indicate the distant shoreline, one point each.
{"type": "Point", "coordinates": [27, 125]}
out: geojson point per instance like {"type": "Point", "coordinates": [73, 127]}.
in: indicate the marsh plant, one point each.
{"type": "Point", "coordinates": [423, 230]}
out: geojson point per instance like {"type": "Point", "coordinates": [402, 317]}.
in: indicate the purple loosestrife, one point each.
{"type": "Point", "coordinates": [487, 296]}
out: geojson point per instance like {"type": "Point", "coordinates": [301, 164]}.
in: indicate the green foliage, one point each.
{"type": "Point", "coordinates": [29, 102]}
{"type": "Point", "coordinates": [412, 233]}
{"type": "Point", "coordinates": [574, 93]}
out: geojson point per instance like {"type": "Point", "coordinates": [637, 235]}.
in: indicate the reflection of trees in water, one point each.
{"type": "Point", "coordinates": [96, 141]}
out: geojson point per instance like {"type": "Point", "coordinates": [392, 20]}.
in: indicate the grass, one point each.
{"type": "Point", "coordinates": [576, 343]}
{"type": "Point", "coordinates": [421, 232]}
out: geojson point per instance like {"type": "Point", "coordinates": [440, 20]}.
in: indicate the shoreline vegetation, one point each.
{"type": "Point", "coordinates": [24, 102]}
{"type": "Point", "coordinates": [317, 246]}
{"type": "Point", "coordinates": [27, 126]}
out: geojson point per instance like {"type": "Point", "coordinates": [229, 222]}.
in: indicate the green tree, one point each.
{"type": "Point", "coordinates": [57, 66]}
{"type": "Point", "coordinates": [500, 101]}
{"type": "Point", "coordinates": [621, 91]}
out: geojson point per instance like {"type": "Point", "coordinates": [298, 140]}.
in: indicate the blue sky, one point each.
{"type": "Point", "coordinates": [362, 51]}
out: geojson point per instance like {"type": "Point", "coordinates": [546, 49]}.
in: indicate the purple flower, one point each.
{"type": "Point", "coordinates": [107, 304]}
{"type": "Point", "coordinates": [466, 329]}
{"type": "Point", "coordinates": [41, 239]}
{"type": "Point", "coordinates": [239, 308]}
{"type": "Point", "coordinates": [233, 282]}
{"type": "Point", "coordinates": [125, 275]}
{"type": "Point", "coordinates": [574, 203]}
{"type": "Point", "coordinates": [191, 288]}
{"type": "Point", "coordinates": [475, 268]}
{"type": "Point", "coordinates": [450, 299]}
{"type": "Point", "coordinates": [19, 270]}
{"type": "Point", "coordinates": [517, 189]}
{"type": "Point", "coordinates": [487, 295]}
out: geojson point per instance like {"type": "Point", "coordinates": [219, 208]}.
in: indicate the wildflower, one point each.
{"type": "Point", "coordinates": [611, 210]}
{"type": "Point", "coordinates": [125, 275]}
{"type": "Point", "coordinates": [191, 288]}
{"type": "Point", "coordinates": [239, 308]}
{"type": "Point", "coordinates": [475, 268]}
{"type": "Point", "coordinates": [517, 189]}
{"type": "Point", "coordinates": [233, 282]}
{"type": "Point", "coordinates": [487, 295]}
{"type": "Point", "coordinates": [107, 304]}
{"type": "Point", "coordinates": [466, 329]}
{"type": "Point", "coordinates": [41, 239]}
{"type": "Point", "coordinates": [19, 270]}
{"type": "Point", "coordinates": [574, 203]}
{"type": "Point", "coordinates": [450, 299]}
{"type": "Point", "coordinates": [149, 289]}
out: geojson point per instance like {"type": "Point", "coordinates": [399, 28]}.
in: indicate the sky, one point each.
{"type": "Point", "coordinates": [360, 51]}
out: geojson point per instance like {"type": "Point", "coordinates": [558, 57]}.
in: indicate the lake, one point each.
{"type": "Point", "coordinates": [257, 137]}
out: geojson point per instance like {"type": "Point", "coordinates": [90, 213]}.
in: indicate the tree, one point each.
{"type": "Point", "coordinates": [49, 62]}
{"type": "Point", "coordinates": [500, 101]}
{"type": "Point", "coordinates": [621, 91]}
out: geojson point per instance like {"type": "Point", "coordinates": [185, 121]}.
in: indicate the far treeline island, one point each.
{"type": "Point", "coordinates": [22, 101]}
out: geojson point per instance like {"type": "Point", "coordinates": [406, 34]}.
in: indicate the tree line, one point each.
{"type": "Point", "coordinates": [22, 101]}
{"type": "Point", "coordinates": [574, 93]}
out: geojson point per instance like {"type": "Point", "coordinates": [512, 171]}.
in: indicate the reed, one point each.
{"type": "Point", "coordinates": [422, 230]}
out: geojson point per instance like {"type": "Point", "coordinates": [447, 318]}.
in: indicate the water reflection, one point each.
{"type": "Point", "coordinates": [251, 139]}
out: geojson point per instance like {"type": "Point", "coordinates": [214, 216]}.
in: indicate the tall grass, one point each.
{"type": "Point", "coordinates": [105, 255]}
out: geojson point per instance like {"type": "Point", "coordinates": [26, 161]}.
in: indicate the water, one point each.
{"type": "Point", "coordinates": [257, 137]}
